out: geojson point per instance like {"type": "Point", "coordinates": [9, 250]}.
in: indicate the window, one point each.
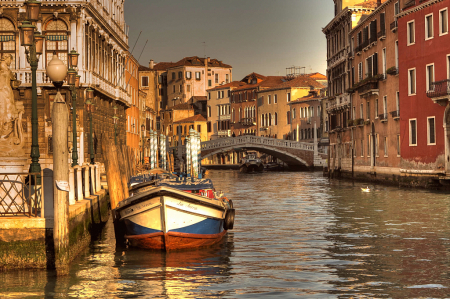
{"type": "Point", "coordinates": [385, 107]}
{"type": "Point", "coordinates": [385, 146]}
{"type": "Point", "coordinates": [288, 96]}
{"type": "Point", "coordinates": [209, 96]}
{"type": "Point", "coordinates": [398, 145]}
{"type": "Point", "coordinates": [229, 93]}
{"type": "Point", "coordinates": [173, 76]}
{"type": "Point", "coordinates": [360, 71]}
{"type": "Point", "coordinates": [216, 78]}
{"type": "Point", "coordinates": [293, 113]}
{"type": "Point", "coordinates": [411, 39]}
{"type": "Point", "coordinates": [275, 99]}
{"type": "Point", "coordinates": [396, 54]}
{"type": "Point", "coordinates": [362, 147]}
{"type": "Point", "coordinates": [413, 132]}
{"type": "Point", "coordinates": [56, 41]}
{"type": "Point", "coordinates": [180, 75]}
{"type": "Point", "coordinates": [188, 88]}
{"type": "Point", "coordinates": [411, 81]}
{"type": "Point", "coordinates": [209, 111]}
{"type": "Point", "coordinates": [181, 88]}
{"type": "Point", "coordinates": [209, 83]}
{"type": "Point", "coordinates": [377, 144]}
{"type": "Point", "coordinates": [227, 79]}
{"type": "Point", "coordinates": [361, 111]}
{"type": "Point", "coordinates": [396, 8]}
{"type": "Point", "coordinates": [376, 108]}
{"type": "Point", "coordinates": [144, 81]}
{"type": "Point", "coordinates": [431, 140]}
{"type": "Point", "coordinates": [384, 63]}
{"type": "Point", "coordinates": [275, 122]}
{"type": "Point", "coordinates": [288, 117]}
{"type": "Point", "coordinates": [430, 77]}
{"type": "Point", "coordinates": [368, 110]}
{"type": "Point", "coordinates": [429, 26]}
{"type": "Point", "coordinates": [448, 66]}
{"type": "Point", "coordinates": [269, 100]}
{"type": "Point", "coordinates": [7, 41]}
{"type": "Point", "coordinates": [369, 139]}
{"type": "Point", "coordinates": [443, 21]}
{"type": "Point", "coordinates": [397, 103]}
{"type": "Point", "coordinates": [197, 75]}
{"type": "Point", "coordinates": [199, 128]}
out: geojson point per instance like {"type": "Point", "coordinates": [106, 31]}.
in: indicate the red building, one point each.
{"type": "Point", "coordinates": [424, 55]}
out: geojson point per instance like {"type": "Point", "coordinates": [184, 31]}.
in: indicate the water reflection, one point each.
{"type": "Point", "coordinates": [296, 235]}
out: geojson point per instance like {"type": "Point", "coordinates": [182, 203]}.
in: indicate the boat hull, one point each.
{"type": "Point", "coordinates": [164, 219]}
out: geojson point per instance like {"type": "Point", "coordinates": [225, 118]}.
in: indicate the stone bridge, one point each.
{"type": "Point", "coordinates": [293, 153]}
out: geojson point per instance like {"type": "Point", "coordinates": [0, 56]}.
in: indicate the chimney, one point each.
{"type": "Point", "coordinates": [151, 64]}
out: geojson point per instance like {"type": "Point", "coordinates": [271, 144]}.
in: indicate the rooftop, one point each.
{"type": "Point", "coordinates": [194, 118]}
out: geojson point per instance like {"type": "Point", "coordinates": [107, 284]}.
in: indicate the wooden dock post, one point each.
{"type": "Point", "coordinates": [60, 117]}
{"type": "Point", "coordinates": [115, 187]}
{"type": "Point", "coordinates": [123, 172]}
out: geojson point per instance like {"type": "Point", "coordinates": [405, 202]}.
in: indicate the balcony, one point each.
{"type": "Point", "coordinates": [365, 44]}
{"type": "Point", "coordinates": [394, 26]}
{"type": "Point", "coordinates": [382, 34]}
{"type": "Point", "coordinates": [368, 88]}
{"type": "Point", "coordinates": [395, 114]}
{"type": "Point", "coordinates": [358, 50]}
{"type": "Point", "coordinates": [225, 117]}
{"type": "Point", "coordinates": [439, 92]}
{"type": "Point", "coordinates": [392, 71]}
{"type": "Point", "coordinates": [373, 39]}
{"type": "Point", "coordinates": [339, 103]}
{"type": "Point", "coordinates": [251, 121]}
{"type": "Point", "coordinates": [358, 122]}
{"type": "Point", "coordinates": [383, 117]}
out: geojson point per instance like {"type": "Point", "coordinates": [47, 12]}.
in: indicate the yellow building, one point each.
{"type": "Point", "coordinates": [196, 122]}
{"type": "Point", "coordinates": [274, 113]}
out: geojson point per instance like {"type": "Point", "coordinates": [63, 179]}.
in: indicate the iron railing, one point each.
{"type": "Point", "coordinates": [382, 33]}
{"type": "Point", "coordinates": [394, 25]}
{"type": "Point", "coordinates": [439, 89]}
{"type": "Point", "coordinates": [20, 195]}
{"type": "Point", "coordinates": [395, 113]}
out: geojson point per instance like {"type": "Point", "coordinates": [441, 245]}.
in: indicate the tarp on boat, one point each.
{"type": "Point", "coordinates": [197, 184]}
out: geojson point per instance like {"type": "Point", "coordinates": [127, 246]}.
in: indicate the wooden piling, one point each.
{"type": "Point", "coordinates": [115, 187]}
{"type": "Point", "coordinates": [125, 160]}
{"type": "Point", "coordinates": [60, 118]}
{"type": "Point", "coordinates": [123, 172]}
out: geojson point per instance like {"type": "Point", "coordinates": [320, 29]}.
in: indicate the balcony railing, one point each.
{"type": "Point", "coordinates": [373, 38]}
{"type": "Point", "coordinates": [383, 116]}
{"type": "Point", "coordinates": [365, 44]}
{"type": "Point", "coordinates": [358, 122]}
{"type": "Point", "coordinates": [395, 114]}
{"type": "Point", "coordinates": [394, 25]}
{"type": "Point", "coordinates": [382, 33]}
{"type": "Point", "coordinates": [439, 89]}
{"type": "Point", "coordinates": [251, 121]}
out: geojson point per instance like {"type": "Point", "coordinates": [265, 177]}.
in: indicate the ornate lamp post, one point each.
{"type": "Point", "coordinates": [35, 43]}
{"type": "Point", "coordinates": [143, 141]}
{"type": "Point", "coordinates": [90, 109]}
{"type": "Point", "coordinates": [74, 82]}
{"type": "Point", "coordinates": [116, 120]}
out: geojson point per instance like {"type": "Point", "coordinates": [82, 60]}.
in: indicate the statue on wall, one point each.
{"type": "Point", "coordinates": [11, 111]}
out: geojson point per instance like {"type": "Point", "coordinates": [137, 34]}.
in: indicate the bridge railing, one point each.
{"type": "Point", "coordinates": [239, 140]}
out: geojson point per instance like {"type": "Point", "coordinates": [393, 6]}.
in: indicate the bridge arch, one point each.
{"type": "Point", "coordinates": [293, 153]}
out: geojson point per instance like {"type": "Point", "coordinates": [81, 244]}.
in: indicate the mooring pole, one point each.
{"type": "Point", "coordinates": [60, 117]}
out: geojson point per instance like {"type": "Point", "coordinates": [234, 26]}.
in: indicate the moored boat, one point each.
{"type": "Point", "coordinates": [251, 163]}
{"type": "Point", "coordinates": [175, 214]}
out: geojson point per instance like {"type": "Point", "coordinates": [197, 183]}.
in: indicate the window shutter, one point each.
{"type": "Point", "coordinates": [382, 22]}
{"type": "Point", "coordinates": [375, 64]}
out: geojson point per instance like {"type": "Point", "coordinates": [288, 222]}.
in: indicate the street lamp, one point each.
{"type": "Point", "coordinates": [34, 41]}
{"type": "Point", "coordinates": [72, 76]}
{"type": "Point", "coordinates": [116, 120]}
{"type": "Point", "coordinates": [90, 109]}
{"type": "Point", "coordinates": [143, 141]}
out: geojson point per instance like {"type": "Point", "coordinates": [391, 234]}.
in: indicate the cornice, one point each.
{"type": "Point", "coordinates": [417, 8]}
{"type": "Point", "coordinates": [344, 13]}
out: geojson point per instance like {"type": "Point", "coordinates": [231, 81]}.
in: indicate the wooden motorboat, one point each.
{"type": "Point", "coordinates": [251, 163]}
{"type": "Point", "coordinates": [174, 214]}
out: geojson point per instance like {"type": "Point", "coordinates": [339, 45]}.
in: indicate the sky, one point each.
{"type": "Point", "coordinates": [262, 36]}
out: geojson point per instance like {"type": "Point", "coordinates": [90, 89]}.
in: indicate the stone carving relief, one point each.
{"type": "Point", "coordinates": [11, 112]}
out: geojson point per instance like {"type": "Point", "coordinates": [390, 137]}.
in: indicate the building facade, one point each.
{"type": "Point", "coordinates": [424, 61]}
{"type": "Point", "coordinates": [97, 31]}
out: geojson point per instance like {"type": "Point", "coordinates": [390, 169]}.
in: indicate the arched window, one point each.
{"type": "Point", "coordinates": [270, 119]}
{"type": "Point", "coordinates": [233, 117]}
{"type": "Point", "coordinates": [262, 120]}
{"type": "Point", "coordinates": [8, 40]}
{"type": "Point", "coordinates": [56, 40]}
{"type": "Point", "coordinates": [267, 120]}
{"type": "Point", "coordinates": [276, 119]}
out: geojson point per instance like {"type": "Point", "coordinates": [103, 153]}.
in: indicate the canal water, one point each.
{"type": "Point", "coordinates": [297, 235]}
